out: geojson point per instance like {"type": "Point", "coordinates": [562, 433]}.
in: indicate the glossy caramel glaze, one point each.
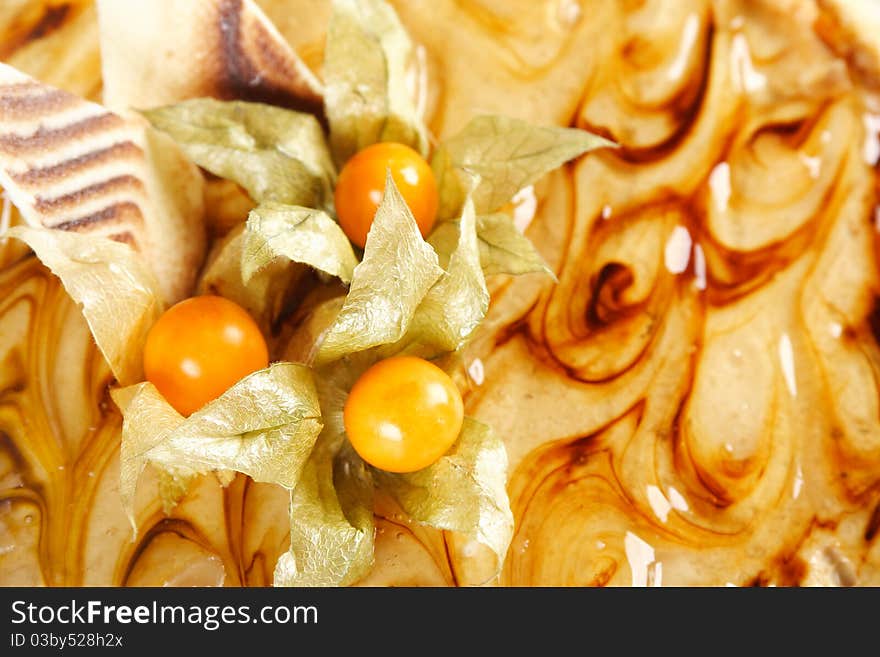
{"type": "Point", "coordinates": [695, 402]}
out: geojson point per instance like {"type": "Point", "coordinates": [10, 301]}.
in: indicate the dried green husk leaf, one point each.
{"type": "Point", "coordinates": [305, 235]}
{"type": "Point", "coordinates": [334, 381]}
{"type": "Point", "coordinates": [503, 248]}
{"type": "Point", "coordinates": [506, 154]}
{"type": "Point", "coordinates": [453, 184]}
{"type": "Point", "coordinates": [463, 492]}
{"type": "Point", "coordinates": [457, 303]}
{"type": "Point", "coordinates": [444, 238]}
{"type": "Point", "coordinates": [264, 426]}
{"type": "Point", "coordinates": [309, 329]}
{"type": "Point", "coordinates": [172, 488]}
{"type": "Point", "coordinates": [331, 519]}
{"type": "Point", "coordinates": [274, 153]}
{"type": "Point", "coordinates": [263, 296]}
{"type": "Point", "coordinates": [366, 97]}
{"type": "Point", "coordinates": [118, 294]}
{"type": "Point", "coordinates": [397, 270]}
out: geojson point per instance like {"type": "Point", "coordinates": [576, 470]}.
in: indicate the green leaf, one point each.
{"type": "Point", "coordinates": [366, 59]}
{"type": "Point", "coordinates": [309, 325]}
{"type": "Point", "coordinates": [275, 154]}
{"type": "Point", "coordinates": [298, 234]}
{"type": "Point", "coordinates": [397, 270]}
{"type": "Point", "coordinates": [336, 379]}
{"type": "Point", "coordinates": [463, 492]}
{"type": "Point", "coordinates": [503, 249]}
{"type": "Point", "coordinates": [453, 184]}
{"type": "Point", "coordinates": [109, 280]}
{"type": "Point", "coordinates": [331, 519]}
{"type": "Point", "coordinates": [506, 155]}
{"type": "Point", "coordinates": [331, 529]}
{"type": "Point", "coordinates": [264, 426]}
{"type": "Point", "coordinates": [263, 295]}
{"type": "Point", "coordinates": [457, 303]}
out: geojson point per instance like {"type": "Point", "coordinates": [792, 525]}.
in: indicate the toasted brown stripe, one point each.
{"type": "Point", "coordinates": [873, 524]}
{"type": "Point", "coordinates": [21, 106]}
{"type": "Point", "coordinates": [98, 189]}
{"type": "Point", "coordinates": [118, 212]}
{"type": "Point", "coordinates": [51, 20]}
{"type": "Point", "coordinates": [241, 76]}
{"type": "Point", "coordinates": [44, 139]}
{"type": "Point", "coordinates": [123, 150]}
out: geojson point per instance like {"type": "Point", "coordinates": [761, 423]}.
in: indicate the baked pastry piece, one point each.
{"type": "Point", "coordinates": [68, 164]}
{"type": "Point", "coordinates": [239, 55]}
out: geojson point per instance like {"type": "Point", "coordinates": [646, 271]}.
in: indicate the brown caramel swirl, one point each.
{"type": "Point", "coordinates": [695, 402]}
{"type": "Point", "coordinates": [710, 339]}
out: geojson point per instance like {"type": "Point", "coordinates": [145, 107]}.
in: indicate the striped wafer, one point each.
{"type": "Point", "coordinates": [69, 164]}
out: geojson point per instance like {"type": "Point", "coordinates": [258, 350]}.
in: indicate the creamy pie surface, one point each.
{"type": "Point", "coordinates": [696, 402]}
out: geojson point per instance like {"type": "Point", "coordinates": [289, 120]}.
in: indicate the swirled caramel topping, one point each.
{"type": "Point", "coordinates": [696, 401]}
{"type": "Point", "coordinates": [707, 359]}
